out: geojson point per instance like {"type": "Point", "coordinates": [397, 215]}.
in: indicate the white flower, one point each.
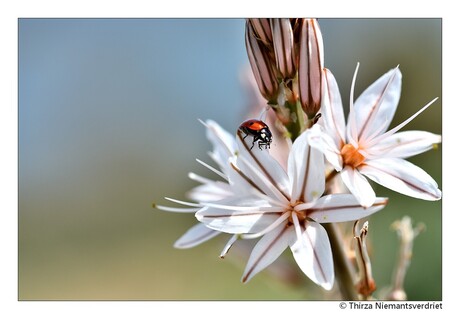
{"type": "Point", "coordinates": [285, 209]}
{"type": "Point", "coordinates": [364, 147]}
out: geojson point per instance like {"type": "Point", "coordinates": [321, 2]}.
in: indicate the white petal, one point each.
{"type": "Point", "coordinates": [405, 144]}
{"type": "Point", "coordinates": [403, 177]}
{"type": "Point", "coordinates": [313, 254]}
{"type": "Point", "coordinates": [224, 144]}
{"type": "Point", "coordinates": [332, 110]}
{"type": "Point", "coordinates": [375, 107]}
{"type": "Point", "coordinates": [236, 222]}
{"type": "Point", "coordinates": [260, 183]}
{"type": "Point", "coordinates": [342, 208]}
{"type": "Point", "coordinates": [305, 170]}
{"type": "Point", "coordinates": [195, 236]}
{"type": "Point", "coordinates": [267, 250]}
{"type": "Point", "coordinates": [264, 163]}
{"type": "Point", "coordinates": [210, 192]}
{"type": "Point", "coordinates": [358, 186]}
{"type": "Point", "coordinates": [239, 183]}
{"type": "Point", "coordinates": [325, 144]}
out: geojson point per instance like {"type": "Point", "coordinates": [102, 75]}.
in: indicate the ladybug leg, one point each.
{"type": "Point", "coordinates": [262, 143]}
{"type": "Point", "coordinates": [256, 138]}
{"type": "Point", "coordinates": [252, 141]}
{"type": "Point", "coordinates": [316, 118]}
{"type": "Point", "coordinates": [267, 145]}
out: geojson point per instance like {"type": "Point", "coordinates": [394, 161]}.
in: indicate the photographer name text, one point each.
{"type": "Point", "coordinates": [393, 305]}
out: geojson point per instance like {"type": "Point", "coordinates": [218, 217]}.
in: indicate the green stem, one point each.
{"type": "Point", "coordinates": [344, 271]}
{"type": "Point", "coordinates": [296, 124]}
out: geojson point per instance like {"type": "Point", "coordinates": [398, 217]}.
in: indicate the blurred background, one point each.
{"type": "Point", "coordinates": [108, 124]}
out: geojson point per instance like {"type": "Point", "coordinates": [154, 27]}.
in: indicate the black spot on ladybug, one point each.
{"type": "Point", "coordinates": [259, 131]}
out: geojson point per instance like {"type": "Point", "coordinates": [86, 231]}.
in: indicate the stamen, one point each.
{"type": "Point", "coordinates": [183, 202]}
{"type": "Point", "coordinates": [212, 169]}
{"type": "Point", "coordinates": [303, 206]}
{"type": "Point", "coordinates": [229, 245]}
{"type": "Point", "coordinates": [400, 126]}
{"type": "Point", "coordinates": [214, 157]}
{"type": "Point", "coordinates": [297, 228]}
{"type": "Point", "coordinates": [199, 179]}
{"type": "Point", "coordinates": [352, 118]}
{"type": "Point", "coordinates": [174, 209]}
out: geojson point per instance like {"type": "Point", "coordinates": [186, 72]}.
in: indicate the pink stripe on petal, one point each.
{"type": "Point", "coordinates": [313, 254]}
{"type": "Point", "coordinates": [263, 164]}
{"type": "Point", "coordinates": [405, 144]}
{"type": "Point", "coordinates": [377, 104]}
{"type": "Point", "coordinates": [267, 250]}
{"type": "Point", "coordinates": [305, 170]}
{"type": "Point", "coordinates": [402, 177]}
{"type": "Point", "coordinates": [342, 208]}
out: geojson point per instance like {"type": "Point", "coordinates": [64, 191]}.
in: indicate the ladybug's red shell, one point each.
{"type": "Point", "coordinates": [259, 130]}
{"type": "Point", "coordinates": [254, 125]}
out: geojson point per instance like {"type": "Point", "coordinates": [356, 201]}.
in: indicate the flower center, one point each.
{"type": "Point", "coordinates": [351, 156]}
{"type": "Point", "coordinates": [301, 214]}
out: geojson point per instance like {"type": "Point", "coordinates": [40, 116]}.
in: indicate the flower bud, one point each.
{"type": "Point", "coordinates": [310, 67]}
{"type": "Point", "coordinates": [262, 30]}
{"type": "Point", "coordinates": [283, 45]}
{"type": "Point", "coordinates": [261, 65]}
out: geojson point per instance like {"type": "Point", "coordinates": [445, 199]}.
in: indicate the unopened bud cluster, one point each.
{"type": "Point", "coordinates": [286, 57]}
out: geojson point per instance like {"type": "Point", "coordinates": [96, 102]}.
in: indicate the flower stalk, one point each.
{"type": "Point", "coordinates": [344, 271]}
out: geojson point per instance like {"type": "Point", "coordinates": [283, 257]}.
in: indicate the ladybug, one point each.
{"type": "Point", "coordinates": [259, 130]}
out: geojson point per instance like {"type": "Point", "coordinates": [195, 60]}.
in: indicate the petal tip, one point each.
{"type": "Point", "coordinates": [438, 194]}
{"type": "Point", "coordinates": [245, 278]}
{"type": "Point", "coordinates": [328, 285]}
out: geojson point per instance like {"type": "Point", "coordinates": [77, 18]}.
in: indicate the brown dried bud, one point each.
{"type": "Point", "coordinates": [366, 284]}
{"type": "Point", "coordinates": [283, 45]}
{"type": "Point", "coordinates": [310, 67]}
{"type": "Point", "coordinates": [262, 65]}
